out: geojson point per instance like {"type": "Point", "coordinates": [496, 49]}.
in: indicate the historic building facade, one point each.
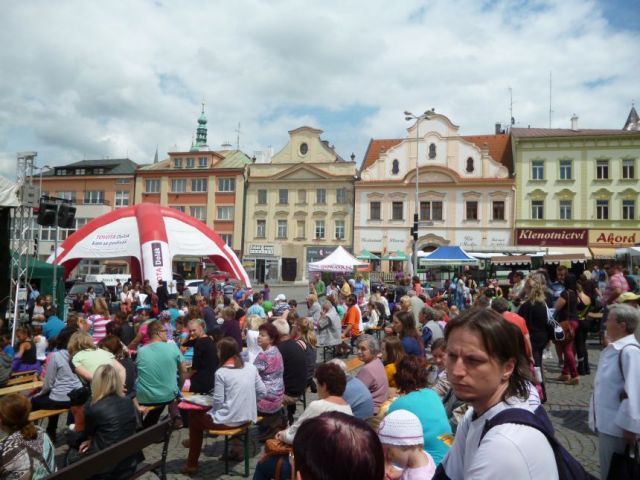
{"type": "Point", "coordinates": [577, 189]}
{"type": "Point", "coordinates": [465, 190]}
{"type": "Point", "coordinates": [206, 184]}
{"type": "Point", "coordinates": [299, 208]}
{"type": "Point", "coordinates": [95, 187]}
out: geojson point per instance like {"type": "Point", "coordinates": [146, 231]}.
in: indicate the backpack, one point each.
{"type": "Point", "coordinates": [568, 467]}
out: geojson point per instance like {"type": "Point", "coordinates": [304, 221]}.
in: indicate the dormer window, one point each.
{"type": "Point", "coordinates": [80, 171]}
{"type": "Point", "coordinates": [98, 171]}
{"type": "Point", "coordinates": [432, 151]}
{"type": "Point", "coordinates": [395, 167]}
{"type": "Point", "coordinates": [470, 167]}
{"type": "Point", "coordinates": [191, 162]}
{"type": "Point", "coordinates": [177, 163]}
{"type": "Point", "coordinates": [61, 171]}
{"type": "Point", "coordinates": [202, 162]}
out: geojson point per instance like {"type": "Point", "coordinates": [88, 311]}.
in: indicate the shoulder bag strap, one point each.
{"type": "Point", "coordinates": [624, 395]}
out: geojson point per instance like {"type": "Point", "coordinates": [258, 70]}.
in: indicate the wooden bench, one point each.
{"type": "Point", "coordinates": [22, 379]}
{"type": "Point", "coordinates": [23, 373]}
{"type": "Point", "coordinates": [243, 432]}
{"type": "Point", "coordinates": [110, 456]}
{"type": "Point", "coordinates": [41, 414]}
{"type": "Point", "coordinates": [377, 331]}
{"type": "Point", "coordinates": [353, 363]}
{"type": "Point", "coordinates": [22, 387]}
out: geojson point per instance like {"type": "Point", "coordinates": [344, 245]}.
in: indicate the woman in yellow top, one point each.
{"type": "Point", "coordinates": [392, 353]}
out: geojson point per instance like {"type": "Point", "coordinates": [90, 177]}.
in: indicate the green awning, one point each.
{"type": "Point", "coordinates": [398, 256]}
{"type": "Point", "coordinates": [367, 255]}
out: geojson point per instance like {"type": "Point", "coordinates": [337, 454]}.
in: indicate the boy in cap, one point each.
{"type": "Point", "coordinates": [402, 441]}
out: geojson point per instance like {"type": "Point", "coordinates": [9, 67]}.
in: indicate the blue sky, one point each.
{"type": "Point", "coordinates": [93, 80]}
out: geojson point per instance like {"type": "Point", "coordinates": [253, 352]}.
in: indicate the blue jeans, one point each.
{"type": "Point", "coordinates": [267, 470]}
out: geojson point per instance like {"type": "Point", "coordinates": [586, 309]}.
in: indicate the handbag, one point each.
{"type": "Point", "coordinates": [624, 466]}
{"type": "Point", "coordinates": [554, 326]}
{"type": "Point", "coordinates": [276, 448]}
{"type": "Point", "coordinates": [569, 332]}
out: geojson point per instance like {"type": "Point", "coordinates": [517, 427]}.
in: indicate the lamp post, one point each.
{"type": "Point", "coordinates": [414, 230]}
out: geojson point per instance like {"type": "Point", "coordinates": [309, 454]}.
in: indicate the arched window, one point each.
{"type": "Point", "coordinates": [395, 167]}
{"type": "Point", "coordinates": [432, 151]}
{"type": "Point", "coordinates": [470, 167]}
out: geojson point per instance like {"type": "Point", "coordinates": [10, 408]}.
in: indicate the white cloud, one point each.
{"type": "Point", "coordinates": [86, 79]}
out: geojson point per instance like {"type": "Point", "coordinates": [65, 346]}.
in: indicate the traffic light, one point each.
{"type": "Point", "coordinates": [66, 216]}
{"type": "Point", "coordinates": [47, 213]}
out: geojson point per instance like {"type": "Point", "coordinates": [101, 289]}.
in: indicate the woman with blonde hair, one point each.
{"type": "Point", "coordinates": [98, 321]}
{"type": "Point", "coordinates": [27, 452]}
{"type": "Point", "coordinates": [252, 324]}
{"type": "Point", "coordinates": [404, 305]}
{"type": "Point", "coordinates": [109, 418]}
{"type": "Point", "coordinates": [392, 353]}
{"type": "Point", "coordinates": [86, 357]}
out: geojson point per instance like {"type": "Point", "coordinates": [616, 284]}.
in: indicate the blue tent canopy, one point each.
{"type": "Point", "coordinates": [448, 256]}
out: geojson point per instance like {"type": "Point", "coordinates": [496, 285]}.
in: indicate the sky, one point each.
{"type": "Point", "coordinates": [121, 78]}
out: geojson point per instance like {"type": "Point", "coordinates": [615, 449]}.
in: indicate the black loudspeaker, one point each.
{"type": "Point", "coordinates": [66, 216]}
{"type": "Point", "coordinates": [47, 213]}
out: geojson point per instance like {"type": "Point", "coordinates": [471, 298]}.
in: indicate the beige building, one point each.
{"type": "Point", "coordinates": [299, 208]}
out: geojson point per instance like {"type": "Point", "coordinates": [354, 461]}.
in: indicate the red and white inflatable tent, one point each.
{"type": "Point", "coordinates": [148, 235]}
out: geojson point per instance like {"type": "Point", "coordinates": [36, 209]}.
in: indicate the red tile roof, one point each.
{"type": "Point", "coordinates": [499, 148]}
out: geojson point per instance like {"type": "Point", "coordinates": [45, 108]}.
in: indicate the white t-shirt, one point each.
{"type": "Point", "coordinates": [522, 451]}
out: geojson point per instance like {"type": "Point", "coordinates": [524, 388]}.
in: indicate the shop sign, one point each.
{"type": "Point", "coordinates": [261, 249]}
{"type": "Point", "coordinates": [552, 237]}
{"type": "Point", "coordinates": [613, 238]}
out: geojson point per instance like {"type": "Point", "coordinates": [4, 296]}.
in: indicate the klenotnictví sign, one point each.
{"type": "Point", "coordinates": [552, 237]}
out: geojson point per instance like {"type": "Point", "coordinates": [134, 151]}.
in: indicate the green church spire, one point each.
{"type": "Point", "coordinates": [201, 132]}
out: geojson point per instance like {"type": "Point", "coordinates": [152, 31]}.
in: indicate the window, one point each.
{"type": "Point", "coordinates": [94, 197]}
{"type": "Point", "coordinates": [177, 163]}
{"type": "Point", "coordinates": [226, 184]}
{"type": "Point", "coordinates": [261, 228]}
{"type": "Point", "coordinates": [302, 196]}
{"type": "Point", "coordinates": [67, 195]}
{"type": "Point", "coordinates": [98, 171]}
{"type": "Point", "coordinates": [178, 185]}
{"type": "Point", "coordinates": [191, 162]}
{"type": "Point", "coordinates": [602, 209]}
{"type": "Point", "coordinates": [283, 196]}
{"type": "Point", "coordinates": [430, 211]}
{"type": "Point", "coordinates": [227, 238]}
{"type": "Point", "coordinates": [202, 162]}
{"type": "Point", "coordinates": [301, 229]}
{"type": "Point", "coordinates": [602, 169]}
{"type": "Point", "coordinates": [321, 196]}
{"type": "Point", "coordinates": [122, 199]}
{"type": "Point", "coordinates": [319, 229]}
{"type": "Point", "coordinates": [262, 197]}
{"type": "Point", "coordinates": [80, 171]}
{"type": "Point", "coordinates": [537, 170]}
{"type": "Point", "coordinates": [397, 211]}
{"type": "Point", "coordinates": [374, 210]}
{"type": "Point", "coordinates": [339, 228]}
{"type": "Point", "coordinates": [152, 186]}
{"type": "Point", "coordinates": [198, 184]}
{"type": "Point", "coordinates": [395, 167]}
{"type": "Point", "coordinates": [432, 151]}
{"type": "Point", "coordinates": [281, 233]}
{"type": "Point", "coordinates": [123, 181]}
{"type": "Point", "coordinates": [537, 209]}
{"type": "Point", "coordinates": [628, 209]}
{"type": "Point", "coordinates": [179, 208]}
{"type": "Point", "coordinates": [498, 210]}
{"type": "Point", "coordinates": [61, 171]}
{"type": "Point", "coordinates": [628, 169]}
{"type": "Point", "coordinates": [225, 212]}
{"type": "Point", "coordinates": [566, 207]}
{"type": "Point", "coordinates": [199, 213]}
{"type": "Point", "coordinates": [470, 166]}
{"type": "Point", "coordinates": [565, 170]}
{"type": "Point", "coordinates": [304, 148]}
{"type": "Point", "coordinates": [472, 210]}
{"type": "Point", "coordinates": [341, 195]}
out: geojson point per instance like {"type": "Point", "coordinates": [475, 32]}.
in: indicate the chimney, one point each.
{"type": "Point", "coordinates": [574, 122]}
{"type": "Point", "coordinates": [498, 128]}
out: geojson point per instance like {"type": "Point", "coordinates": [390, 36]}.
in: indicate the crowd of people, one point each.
{"type": "Point", "coordinates": [438, 375]}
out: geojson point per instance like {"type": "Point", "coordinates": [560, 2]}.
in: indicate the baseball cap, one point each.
{"type": "Point", "coordinates": [281, 297]}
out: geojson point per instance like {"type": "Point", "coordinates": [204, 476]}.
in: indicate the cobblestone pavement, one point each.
{"type": "Point", "coordinates": [567, 406]}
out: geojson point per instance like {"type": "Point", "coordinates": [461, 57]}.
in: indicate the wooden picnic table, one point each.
{"type": "Point", "coordinates": [23, 387]}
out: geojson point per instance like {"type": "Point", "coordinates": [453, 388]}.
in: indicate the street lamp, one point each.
{"type": "Point", "coordinates": [410, 116]}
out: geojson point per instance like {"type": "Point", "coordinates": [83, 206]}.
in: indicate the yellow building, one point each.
{"type": "Point", "coordinates": [299, 208]}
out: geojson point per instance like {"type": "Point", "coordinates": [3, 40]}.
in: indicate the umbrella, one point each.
{"type": "Point", "coordinates": [398, 256]}
{"type": "Point", "coordinates": [367, 255]}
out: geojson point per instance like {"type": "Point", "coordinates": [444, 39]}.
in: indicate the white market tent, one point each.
{"type": "Point", "coordinates": [8, 193]}
{"type": "Point", "coordinates": [339, 261]}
